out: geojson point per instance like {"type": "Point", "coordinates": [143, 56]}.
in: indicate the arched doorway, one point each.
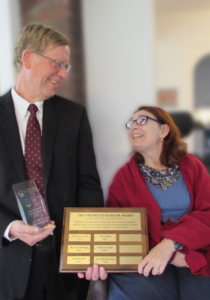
{"type": "Point", "coordinates": [202, 101]}
{"type": "Point", "coordinates": [202, 83]}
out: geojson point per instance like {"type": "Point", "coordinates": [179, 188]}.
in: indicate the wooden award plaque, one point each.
{"type": "Point", "coordinates": [115, 238]}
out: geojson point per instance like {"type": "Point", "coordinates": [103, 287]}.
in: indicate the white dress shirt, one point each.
{"type": "Point", "coordinates": [22, 114]}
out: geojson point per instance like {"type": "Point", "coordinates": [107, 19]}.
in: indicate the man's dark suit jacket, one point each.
{"type": "Point", "coordinates": [70, 179]}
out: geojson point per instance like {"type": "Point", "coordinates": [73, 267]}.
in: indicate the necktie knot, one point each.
{"type": "Point", "coordinates": [33, 109]}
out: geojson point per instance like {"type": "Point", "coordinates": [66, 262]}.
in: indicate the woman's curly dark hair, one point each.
{"type": "Point", "coordinates": [174, 149]}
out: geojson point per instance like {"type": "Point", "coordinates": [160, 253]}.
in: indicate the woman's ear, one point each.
{"type": "Point", "coordinates": [164, 130]}
{"type": "Point", "coordinates": [26, 58]}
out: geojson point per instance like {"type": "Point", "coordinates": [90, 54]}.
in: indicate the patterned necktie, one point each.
{"type": "Point", "coordinates": [33, 153]}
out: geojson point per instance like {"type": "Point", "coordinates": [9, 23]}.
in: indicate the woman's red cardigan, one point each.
{"type": "Point", "coordinates": [129, 189]}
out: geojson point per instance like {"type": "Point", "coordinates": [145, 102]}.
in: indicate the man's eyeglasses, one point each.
{"type": "Point", "coordinates": [57, 63]}
{"type": "Point", "coordinates": [141, 121]}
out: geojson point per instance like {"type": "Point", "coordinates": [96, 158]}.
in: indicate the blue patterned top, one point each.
{"type": "Point", "coordinates": [174, 201]}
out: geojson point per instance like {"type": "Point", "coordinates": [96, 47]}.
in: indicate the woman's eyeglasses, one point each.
{"type": "Point", "coordinates": [141, 121]}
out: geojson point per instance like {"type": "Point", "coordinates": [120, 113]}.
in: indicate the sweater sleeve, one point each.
{"type": "Point", "coordinates": [193, 230]}
{"type": "Point", "coordinates": [115, 195]}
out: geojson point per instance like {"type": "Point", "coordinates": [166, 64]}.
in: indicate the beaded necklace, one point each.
{"type": "Point", "coordinates": [161, 178]}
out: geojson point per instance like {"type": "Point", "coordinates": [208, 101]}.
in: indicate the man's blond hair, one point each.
{"type": "Point", "coordinates": [37, 37]}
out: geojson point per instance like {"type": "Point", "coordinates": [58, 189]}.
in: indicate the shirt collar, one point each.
{"type": "Point", "coordinates": [21, 104]}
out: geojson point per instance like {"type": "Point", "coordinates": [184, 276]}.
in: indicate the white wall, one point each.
{"type": "Point", "coordinates": [9, 27]}
{"type": "Point", "coordinates": [119, 74]}
{"type": "Point", "coordinates": [178, 36]}
{"type": "Point", "coordinates": [182, 39]}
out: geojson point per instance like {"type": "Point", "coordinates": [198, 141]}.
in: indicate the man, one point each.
{"type": "Point", "coordinates": [29, 256]}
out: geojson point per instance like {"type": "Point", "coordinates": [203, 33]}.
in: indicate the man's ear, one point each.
{"type": "Point", "coordinates": [164, 130]}
{"type": "Point", "coordinates": [26, 58]}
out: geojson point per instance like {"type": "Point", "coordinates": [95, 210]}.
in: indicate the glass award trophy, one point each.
{"type": "Point", "coordinates": [31, 203]}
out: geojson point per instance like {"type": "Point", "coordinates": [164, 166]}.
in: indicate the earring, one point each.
{"type": "Point", "coordinates": [162, 139]}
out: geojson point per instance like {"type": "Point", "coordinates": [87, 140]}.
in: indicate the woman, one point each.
{"type": "Point", "coordinates": [175, 188]}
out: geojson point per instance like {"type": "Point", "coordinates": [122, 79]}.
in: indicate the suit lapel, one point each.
{"type": "Point", "coordinates": [10, 130]}
{"type": "Point", "coordinates": [9, 126]}
{"type": "Point", "coordinates": [50, 118]}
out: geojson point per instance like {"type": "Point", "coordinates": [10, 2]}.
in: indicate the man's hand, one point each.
{"type": "Point", "coordinates": [94, 273]}
{"type": "Point", "coordinates": [30, 234]}
{"type": "Point", "coordinates": [157, 258]}
{"type": "Point", "coordinates": [179, 260]}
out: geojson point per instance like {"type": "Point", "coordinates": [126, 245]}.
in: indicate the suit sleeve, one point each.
{"type": "Point", "coordinates": [89, 188]}
{"type": "Point", "coordinates": [5, 219]}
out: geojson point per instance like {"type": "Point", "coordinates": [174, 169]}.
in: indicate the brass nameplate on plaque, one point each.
{"type": "Point", "coordinates": [105, 248]}
{"type": "Point", "coordinates": [105, 237]}
{"type": "Point", "coordinates": [79, 237]}
{"type": "Point", "coordinates": [115, 238]}
{"type": "Point", "coordinates": [78, 248]}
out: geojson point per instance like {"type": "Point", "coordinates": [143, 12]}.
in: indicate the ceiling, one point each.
{"type": "Point", "coordinates": [178, 5]}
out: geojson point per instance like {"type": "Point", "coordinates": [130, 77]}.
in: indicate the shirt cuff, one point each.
{"type": "Point", "coordinates": [7, 235]}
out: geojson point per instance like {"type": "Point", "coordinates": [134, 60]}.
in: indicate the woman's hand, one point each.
{"type": "Point", "coordinates": [157, 258]}
{"type": "Point", "coordinates": [179, 260]}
